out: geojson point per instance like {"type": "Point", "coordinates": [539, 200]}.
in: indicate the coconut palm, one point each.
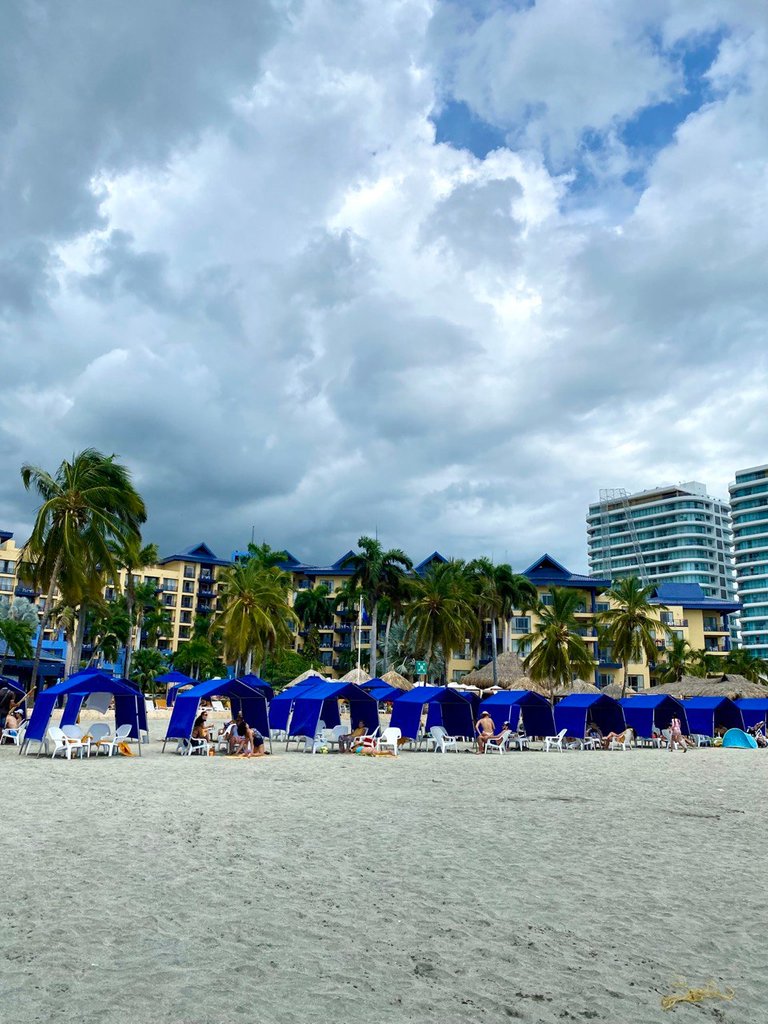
{"type": "Point", "coordinates": [110, 626]}
{"type": "Point", "coordinates": [132, 556]}
{"type": "Point", "coordinates": [558, 653]}
{"type": "Point", "coordinates": [740, 662]}
{"type": "Point", "coordinates": [398, 590]}
{"type": "Point", "coordinates": [441, 615]}
{"type": "Point", "coordinates": [313, 608]}
{"type": "Point", "coordinates": [87, 504]}
{"type": "Point", "coordinates": [677, 661]}
{"type": "Point", "coordinates": [631, 624]}
{"type": "Point", "coordinates": [147, 664]}
{"type": "Point", "coordinates": [17, 636]}
{"type": "Point", "coordinates": [265, 555]}
{"type": "Point", "coordinates": [485, 577]}
{"type": "Point", "coordinates": [518, 594]}
{"type": "Point", "coordinates": [704, 664]}
{"type": "Point", "coordinates": [256, 614]}
{"type": "Point", "coordinates": [372, 568]}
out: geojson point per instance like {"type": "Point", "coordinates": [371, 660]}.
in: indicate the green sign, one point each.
{"type": "Point", "coordinates": [421, 668]}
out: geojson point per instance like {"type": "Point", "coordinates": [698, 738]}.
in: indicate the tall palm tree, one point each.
{"type": "Point", "coordinates": [485, 578]}
{"type": "Point", "coordinates": [371, 568]}
{"type": "Point", "coordinates": [111, 626]}
{"type": "Point", "coordinates": [677, 661]}
{"type": "Point", "coordinates": [256, 615]}
{"type": "Point", "coordinates": [631, 623]}
{"type": "Point", "coordinates": [147, 665]}
{"type": "Point", "coordinates": [557, 652]}
{"type": "Point", "coordinates": [441, 615]}
{"type": "Point", "coordinates": [704, 664]}
{"type": "Point", "coordinates": [518, 594]}
{"type": "Point", "coordinates": [17, 636]}
{"type": "Point", "coordinates": [741, 662]}
{"type": "Point", "coordinates": [313, 608]}
{"type": "Point", "coordinates": [87, 504]}
{"type": "Point", "coordinates": [346, 600]}
{"type": "Point", "coordinates": [133, 556]}
{"type": "Point", "coordinates": [398, 590]}
{"type": "Point", "coordinates": [266, 556]}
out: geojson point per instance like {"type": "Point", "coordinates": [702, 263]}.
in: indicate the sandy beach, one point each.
{"type": "Point", "coordinates": [529, 887]}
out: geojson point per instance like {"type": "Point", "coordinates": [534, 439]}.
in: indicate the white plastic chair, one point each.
{"type": "Point", "coordinates": [13, 735]}
{"type": "Point", "coordinates": [388, 740]}
{"type": "Point", "coordinates": [520, 739]}
{"type": "Point", "coordinates": [331, 736]}
{"type": "Point", "coordinates": [99, 734]}
{"type": "Point", "coordinates": [216, 705]}
{"type": "Point", "coordinates": [76, 737]}
{"type": "Point", "coordinates": [498, 746]}
{"type": "Point", "coordinates": [121, 736]}
{"type": "Point", "coordinates": [555, 741]}
{"type": "Point", "coordinates": [62, 743]}
{"type": "Point", "coordinates": [442, 740]}
{"type": "Point", "coordinates": [701, 740]}
{"type": "Point", "coordinates": [222, 740]}
{"type": "Point", "coordinates": [149, 705]}
{"type": "Point", "coordinates": [624, 744]}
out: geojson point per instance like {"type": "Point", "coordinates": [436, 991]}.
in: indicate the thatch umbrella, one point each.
{"type": "Point", "coordinates": [306, 675]}
{"type": "Point", "coordinates": [732, 686]}
{"type": "Point", "coordinates": [614, 690]}
{"type": "Point", "coordinates": [393, 678]}
{"type": "Point", "coordinates": [578, 686]}
{"type": "Point", "coordinates": [356, 675]}
{"type": "Point", "coordinates": [511, 674]}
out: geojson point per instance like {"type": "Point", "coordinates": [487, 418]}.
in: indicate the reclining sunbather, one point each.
{"type": "Point", "coordinates": [626, 736]}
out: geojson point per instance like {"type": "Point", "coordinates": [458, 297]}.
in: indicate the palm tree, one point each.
{"type": "Point", "coordinates": [677, 661]}
{"type": "Point", "coordinates": [397, 592]}
{"type": "Point", "coordinates": [704, 664]}
{"type": "Point", "coordinates": [132, 557]}
{"type": "Point", "coordinates": [64, 620]}
{"type": "Point", "coordinates": [372, 567]}
{"type": "Point", "coordinates": [740, 662]}
{"type": "Point", "coordinates": [266, 556]}
{"type": "Point", "coordinates": [147, 665]}
{"type": "Point", "coordinates": [17, 635]}
{"type": "Point", "coordinates": [630, 626]}
{"type": "Point", "coordinates": [485, 577]}
{"type": "Point", "coordinates": [256, 614]}
{"type": "Point", "coordinates": [313, 608]}
{"type": "Point", "coordinates": [441, 615]}
{"type": "Point", "coordinates": [518, 594]}
{"type": "Point", "coordinates": [345, 601]}
{"type": "Point", "coordinates": [557, 652]}
{"type": "Point", "coordinates": [88, 504]}
{"type": "Point", "coordinates": [110, 625]}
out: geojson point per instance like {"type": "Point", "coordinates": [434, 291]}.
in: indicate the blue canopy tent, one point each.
{"type": "Point", "coordinates": [258, 684]}
{"type": "Point", "coordinates": [174, 681]}
{"type": "Point", "coordinates": [706, 714]}
{"type": "Point", "coordinates": [18, 692]}
{"type": "Point", "coordinates": [450, 708]}
{"type": "Point", "coordinates": [250, 700]}
{"type": "Point", "coordinates": [511, 705]}
{"type": "Point", "coordinates": [753, 710]}
{"type": "Point", "coordinates": [577, 710]}
{"type": "Point", "coordinates": [382, 691]}
{"type": "Point", "coordinates": [282, 703]}
{"type": "Point", "coordinates": [321, 703]}
{"type": "Point", "coordinates": [129, 704]}
{"type": "Point", "coordinates": [647, 711]}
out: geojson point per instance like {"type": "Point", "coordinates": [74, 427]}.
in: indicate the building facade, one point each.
{"type": "Point", "coordinates": [670, 534]}
{"type": "Point", "coordinates": [749, 513]}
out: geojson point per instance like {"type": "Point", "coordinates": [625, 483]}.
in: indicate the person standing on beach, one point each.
{"type": "Point", "coordinates": [676, 735]}
{"type": "Point", "coordinates": [485, 729]}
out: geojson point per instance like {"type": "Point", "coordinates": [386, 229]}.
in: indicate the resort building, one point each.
{"type": "Point", "coordinates": [749, 513]}
{"type": "Point", "coordinates": [674, 534]}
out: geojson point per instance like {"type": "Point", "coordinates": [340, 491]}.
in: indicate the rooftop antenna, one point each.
{"type": "Point", "coordinates": [253, 529]}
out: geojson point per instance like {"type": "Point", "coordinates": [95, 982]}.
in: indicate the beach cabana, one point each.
{"type": "Point", "coordinates": [450, 708]}
{"type": "Point", "coordinates": [753, 710]}
{"type": "Point", "coordinates": [281, 705]}
{"type": "Point", "coordinates": [647, 711]}
{"type": "Point", "coordinates": [175, 681]}
{"type": "Point", "coordinates": [381, 691]}
{"type": "Point", "coordinates": [577, 710]}
{"type": "Point", "coordinates": [129, 704]}
{"type": "Point", "coordinates": [321, 703]}
{"type": "Point", "coordinates": [511, 705]}
{"type": "Point", "coordinates": [250, 699]}
{"type": "Point", "coordinates": [707, 714]}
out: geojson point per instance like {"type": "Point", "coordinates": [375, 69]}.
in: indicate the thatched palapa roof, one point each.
{"type": "Point", "coordinates": [306, 675]}
{"type": "Point", "coordinates": [511, 674]}
{"type": "Point", "coordinates": [356, 675]}
{"type": "Point", "coordinates": [577, 686]}
{"type": "Point", "coordinates": [732, 686]}
{"type": "Point", "coordinates": [393, 678]}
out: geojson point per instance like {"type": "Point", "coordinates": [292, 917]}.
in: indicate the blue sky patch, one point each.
{"type": "Point", "coordinates": [460, 128]}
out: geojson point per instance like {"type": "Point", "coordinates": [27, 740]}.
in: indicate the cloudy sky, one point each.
{"type": "Point", "coordinates": [440, 269]}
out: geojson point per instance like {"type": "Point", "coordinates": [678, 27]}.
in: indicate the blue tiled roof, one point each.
{"type": "Point", "coordinates": [5, 535]}
{"type": "Point", "coordinates": [197, 553]}
{"type": "Point", "coordinates": [691, 595]}
{"type": "Point", "coordinates": [548, 571]}
{"type": "Point", "coordinates": [423, 565]}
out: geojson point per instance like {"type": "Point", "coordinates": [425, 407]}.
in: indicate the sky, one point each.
{"type": "Point", "coordinates": [437, 271]}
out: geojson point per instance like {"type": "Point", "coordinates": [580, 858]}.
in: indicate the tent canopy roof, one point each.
{"type": "Point", "coordinates": [174, 677]}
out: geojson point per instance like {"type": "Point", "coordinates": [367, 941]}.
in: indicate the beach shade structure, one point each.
{"type": "Point", "coordinates": [393, 678]}
{"type": "Point", "coordinates": [380, 690]}
{"type": "Point", "coordinates": [510, 672]}
{"type": "Point", "coordinates": [129, 704]}
{"type": "Point", "coordinates": [281, 705]}
{"type": "Point", "coordinates": [577, 710]}
{"type": "Point", "coordinates": [647, 711]}
{"type": "Point", "coordinates": [450, 708]}
{"type": "Point", "coordinates": [706, 714]}
{"type": "Point", "coordinates": [258, 684]}
{"type": "Point", "coordinates": [18, 693]}
{"type": "Point", "coordinates": [321, 703]}
{"type": "Point", "coordinates": [356, 675]}
{"type": "Point", "coordinates": [512, 705]}
{"type": "Point", "coordinates": [578, 686]}
{"type": "Point", "coordinates": [731, 686]}
{"type": "Point", "coordinates": [174, 681]}
{"type": "Point", "coordinates": [738, 739]}
{"type": "Point", "coordinates": [246, 698]}
{"type": "Point", "coordinates": [311, 673]}
{"type": "Point", "coordinates": [753, 710]}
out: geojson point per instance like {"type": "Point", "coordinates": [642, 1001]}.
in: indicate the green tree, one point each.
{"type": "Point", "coordinates": [87, 505]}
{"type": "Point", "coordinates": [631, 623]}
{"type": "Point", "coordinates": [517, 594]}
{"type": "Point", "coordinates": [372, 568]}
{"type": "Point", "coordinates": [17, 636]}
{"type": "Point", "coordinates": [133, 556]}
{"type": "Point", "coordinates": [265, 556]}
{"type": "Point", "coordinates": [146, 664]}
{"type": "Point", "coordinates": [255, 616]}
{"type": "Point", "coordinates": [677, 661]}
{"type": "Point", "coordinates": [741, 662]}
{"type": "Point", "coordinates": [198, 658]}
{"type": "Point", "coordinates": [398, 590]}
{"type": "Point", "coordinates": [314, 608]}
{"type": "Point", "coordinates": [557, 652]}
{"type": "Point", "coordinates": [283, 666]}
{"type": "Point", "coordinates": [110, 626]}
{"type": "Point", "coordinates": [441, 615]}
{"type": "Point", "coordinates": [486, 579]}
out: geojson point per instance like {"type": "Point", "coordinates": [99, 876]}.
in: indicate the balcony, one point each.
{"type": "Point", "coordinates": [714, 626]}
{"type": "Point", "coordinates": [342, 647]}
{"type": "Point", "coordinates": [206, 590]}
{"type": "Point", "coordinates": [344, 627]}
{"type": "Point", "coordinates": [675, 623]}
{"type": "Point", "coordinates": [28, 592]}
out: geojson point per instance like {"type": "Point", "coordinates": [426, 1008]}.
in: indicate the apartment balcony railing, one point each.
{"type": "Point", "coordinates": [676, 623]}
{"type": "Point", "coordinates": [28, 592]}
{"type": "Point", "coordinates": [343, 627]}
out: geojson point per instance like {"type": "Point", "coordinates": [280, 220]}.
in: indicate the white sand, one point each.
{"type": "Point", "coordinates": [303, 889]}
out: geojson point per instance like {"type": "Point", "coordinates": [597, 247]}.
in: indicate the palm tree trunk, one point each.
{"type": "Point", "coordinates": [77, 643]}
{"type": "Point", "coordinates": [249, 662]}
{"type": "Point", "coordinates": [626, 680]}
{"type": "Point", "coordinates": [374, 631]}
{"type": "Point", "coordinates": [44, 622]}
{"type": "Point", "coordinates": [129, 605]}
{"type": "Point", "coordinates": [386, 642]}
{"type": "Point", "coordinates": [494, 652]}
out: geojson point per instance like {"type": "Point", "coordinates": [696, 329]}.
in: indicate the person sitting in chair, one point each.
{"type": "Point", "coordinates": [201, 730]}
{"type": "Point", "coordinates": [485, 730]}
{"type": "Point", "coordinates": [347, 742]}
{"type": "Point", "coordinates": [626, 736]}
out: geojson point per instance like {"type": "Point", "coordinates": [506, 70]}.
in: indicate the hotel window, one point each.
{"type": "Point", "coordinates": [521, 624]}
{"type": "Point", "coordinates": [6, 583]}
{"type": "Point", "coordinates": [186, 602]}
{"type": "Point", "coordinates": [184, 633]}
{"type": "Point", "coordinates": [155, 580]}
{"type": "Point", "coordinates": [170, 584]}
{"type": "Point", "coordinates": [546, 599]}
{"type": "Point", "coordinates": [188, 587]}
{"type": "Point", "coordinates": [189, 572]}
{"type": "Point", "coordinates": [186, 617]}
{"type": "Point", "coordinates": [169, 600]}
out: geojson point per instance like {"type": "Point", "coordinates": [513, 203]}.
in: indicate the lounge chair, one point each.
{"type": "Point", "coordinates": [76, 736]}
{"type": "Point", "coordinates": [555, 741]}
{"type": "Point", "coordinates": [623, 744]}
{"type": "Point", "coordinates": [522, 741]}
{"type": "Point", "coordinates": [331, 736]}
{"type": "Point", "coordinates": [701, 740]}
{"type": "Point", "coordinates": [121, 736]}
{"type": "Point", "coordinates": [498, 746]}
{"type": "Point", "coordinates": [216, 705]}
{"type": "Point", "coordinates": [14, 736]}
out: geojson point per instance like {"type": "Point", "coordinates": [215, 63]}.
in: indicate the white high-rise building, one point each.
{"type": "Point", "coordinates": [675, 533]}
{"type": "Point", "coordinates": [749, 513]}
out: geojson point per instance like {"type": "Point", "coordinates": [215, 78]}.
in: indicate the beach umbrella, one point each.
{"type": "Point", "coordinates": [511, 675]}
{"type": "Point", "coordinates": [393, 678]}
{"type": "Point", "coordinates": [732, 686]}
{"type": "Point", "coordinates": [356, 675]}
{"type": "Point", "coordinates": [311, 673]}
{"type": "Point", "coordinates": [578, 686]}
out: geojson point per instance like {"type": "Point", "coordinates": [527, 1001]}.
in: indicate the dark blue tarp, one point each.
{"type": "Point", "coordinates": [383, 693]}
{"type": "Point", "coordinates": [129, 703]}
{"type": "Point", "coordinates": [18, 691]}
{"type": "Point", "coordinates": [575, 711]}
{"type": "Point", "coordinates": [250, 700]}
{"type": "Point", "coordinates": [321, 703]}
{"type": "Point", "coordinates": [510, 705]}
{"type": "Point", "coordinates": [452, 714]}
{"type": "Point", "coordinates": [175, 681]}
{"type": "Point", "coordinates": [649, 710]}
{"type": "Point", "coordinates": [450, 708]}
{"type": "Point", "coordinates": [706, 714]}
{"type": "Point", "coordinates": [282, 703]}
{"type": "Point", "coordinates": [753, 710]}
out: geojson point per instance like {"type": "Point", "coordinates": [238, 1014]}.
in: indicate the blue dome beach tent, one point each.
{"type": "Point", "coordinates": [129, 704]}
{"type": "Point", "coordinates": [175, 681]}
{"type": "Point", "coordinates": [706, 714]}
{"type": "Point", "coordinates": [321, 703]}
{"type": "Point", "coordinates": [252, 699]}
{"type": "Point", "coordinates": [738, 739]}
{"type": "Point", "coordinates": [512, 705]}
{"type": "Point", "coordinates": [450, 708]}
{"type": "Point", "coordinates": [577, 710]}
{"type": "Point", "coordinates": [647, 711]}
{"type": "Point", "coordinates": [753, 710]}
